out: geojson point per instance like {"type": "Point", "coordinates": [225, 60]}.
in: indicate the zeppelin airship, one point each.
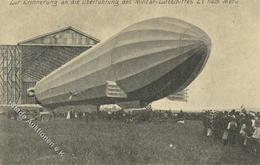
{"type": "Point", "coordinates": [144, 62]}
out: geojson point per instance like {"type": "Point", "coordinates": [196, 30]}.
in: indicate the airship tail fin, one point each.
{"type": "Point", "coordinates": [113, 90]}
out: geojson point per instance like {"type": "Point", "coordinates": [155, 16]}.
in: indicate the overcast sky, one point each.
{"type": "Point", "coordinates": [230, 78]}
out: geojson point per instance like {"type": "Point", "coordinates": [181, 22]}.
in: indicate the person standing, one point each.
{"type": "Point", "coordinates": [225, 121]}
{"type": "Point", "coordinates": [232, 130]}
{"type": "Point", "coordinates": [256, 136]}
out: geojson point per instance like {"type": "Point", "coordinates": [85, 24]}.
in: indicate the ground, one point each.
{"type": "Point", "coordinates": [116, 143]}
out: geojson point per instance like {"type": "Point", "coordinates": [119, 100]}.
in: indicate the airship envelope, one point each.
{"type": "Point", "coordinates": [146, 61]}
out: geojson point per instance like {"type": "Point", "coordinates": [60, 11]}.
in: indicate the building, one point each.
{"type": "Point", "coordinates": [22, 65]}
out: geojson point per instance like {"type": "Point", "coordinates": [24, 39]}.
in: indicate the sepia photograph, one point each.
{"type": "Point", "coordinates": [129, 82]}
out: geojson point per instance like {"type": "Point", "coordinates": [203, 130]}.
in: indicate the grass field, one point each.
{"type": "Point", "coordinates": [116, 143]}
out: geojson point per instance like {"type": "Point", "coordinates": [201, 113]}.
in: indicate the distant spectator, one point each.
{"type": "Point", "coordinates": [232, 130]}
{"type": "Point", "coordinates": [180, 117]}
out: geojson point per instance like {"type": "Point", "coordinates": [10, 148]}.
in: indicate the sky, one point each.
{"type": "Point", "coordinates": [231, 77]}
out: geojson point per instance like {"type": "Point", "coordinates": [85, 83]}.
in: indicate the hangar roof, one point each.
{"type": "Point", "coordinates": [67, 36]}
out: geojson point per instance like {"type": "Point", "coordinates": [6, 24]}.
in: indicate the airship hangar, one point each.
{"type": "Point", "coordinates": [22, 65]}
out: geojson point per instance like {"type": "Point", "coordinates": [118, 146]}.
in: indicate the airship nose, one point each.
{"type": "Point", "coordinates": [188, 34]}
{"type": "Point", "coordinates": [207, 43]}
{"type": "Point", "coordinates": [206, 46]}
{"type": "Point", "coordinates": [198, 36]}
{"type": "Point", "coordinates": [200, 43]}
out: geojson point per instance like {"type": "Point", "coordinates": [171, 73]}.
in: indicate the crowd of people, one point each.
{"type": "Point", "coordinates": [128, 116]}
{"type": "Point", "coordinates": [138, 115]}
{"type": "Point", "coordinates": [234, 127]}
